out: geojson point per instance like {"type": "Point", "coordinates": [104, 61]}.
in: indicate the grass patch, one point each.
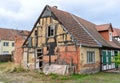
{"type": "Point", "coordinates": [78, 76]}
{"type": "Point", "coordinates": [19, 69]}
{"type": "Point", "coordinates": [5, 65]}
{"type": "Point", "coordinates": [53, 76]}
{"type": "Point", "coordinates": [67, 77]}
{"type": "Point", "coordinates": [11, 67]}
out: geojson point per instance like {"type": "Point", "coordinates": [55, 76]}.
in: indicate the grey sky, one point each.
{"type": "Point", "coordinates": [22, 14]}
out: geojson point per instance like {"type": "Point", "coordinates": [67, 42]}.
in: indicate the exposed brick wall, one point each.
{"type": "Point", "coordinates": [66, 55]}
{"type": "Point", "coordinates": [18, 55]}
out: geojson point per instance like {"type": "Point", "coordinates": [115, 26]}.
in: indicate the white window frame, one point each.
{"type": "Point", "coordinates": [110, 36]}
{"type": "Point", "coordinates": [90, 57]}
{"type": "Point", "coordinates": [112, 52]}
{"type": "Point", "coordinates": [106, 52]}
{"type": "Point", "coordinates": [5, 43]}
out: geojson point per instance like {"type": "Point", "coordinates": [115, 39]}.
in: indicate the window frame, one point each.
{"type": "Point", "coordinates": [49, 29]}
{"type": "Point", "coordinates": [39, 51]}
{"type": "Point", "coordinates": [36, 33]}
{"type": "Point", "coordinates": [13, 44]}
{"type": "Point", "coordinates": [5, 43]}
{"type": "Point", "coordinates": [110, 36]}
{"type": "Point", "coordinates": [90, 57]}
{"type": "Point", "coordinates": [5, 52]}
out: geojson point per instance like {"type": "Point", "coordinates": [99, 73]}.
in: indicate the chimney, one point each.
{"type": "Point", "coordinates": [55, 6]}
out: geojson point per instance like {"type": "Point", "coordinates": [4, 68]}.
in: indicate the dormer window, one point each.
{"type": "Point", "coordinates": [51, 31]}
{"type": "Point", "coordinates": [110, 36]}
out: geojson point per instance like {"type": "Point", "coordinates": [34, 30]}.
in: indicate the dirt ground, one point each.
{"type": "Point", "coordinates": [10, 74]}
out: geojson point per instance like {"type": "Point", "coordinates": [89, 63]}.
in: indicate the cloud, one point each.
{"type": "Point", "coordinates": [24, 13]}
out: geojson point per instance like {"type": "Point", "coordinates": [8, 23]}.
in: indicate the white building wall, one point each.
{"type": "Point", "coordinates": [0, 47]}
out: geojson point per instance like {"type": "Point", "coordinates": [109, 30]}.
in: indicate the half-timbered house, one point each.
{"type": "Point", "coordinates": [59, 37]}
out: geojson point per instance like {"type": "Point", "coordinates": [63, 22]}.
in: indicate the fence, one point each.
{"type": "Point", "coordinates": [5, 58]}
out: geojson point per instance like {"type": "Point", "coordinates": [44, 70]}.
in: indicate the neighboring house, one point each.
{"type": "Point", "coordinates": [7, 47]}
{"type": "Point", "coordinates": [59, 37]}
{"type": "Point", "coordinates": [19, 40]}
{"type": "Point", "coordinates": [7, 40]}
{"type": "Point", "coordinates": [109, 48]}
{"type": "Point", "coordinates": [116, 34]}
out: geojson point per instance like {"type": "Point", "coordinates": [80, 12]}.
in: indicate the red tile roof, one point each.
{"type": "Point", "coordinates": [9, 34]}
{"type": "Point", "coordinates": [81, 33]}
{"type": "Point", "coordinates": [116, 32]}
{"type": "Point", "coordinates": [84, 32]}
{"type": "Point", "coordinates": [77, 30]}
{"type": "Point", "coordinates": [103, 27]}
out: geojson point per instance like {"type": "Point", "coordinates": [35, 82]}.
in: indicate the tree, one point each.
{"type": "Point", "coordinates": [116, 60]}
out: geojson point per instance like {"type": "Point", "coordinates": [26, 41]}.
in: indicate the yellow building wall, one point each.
{"type": "Point", "coordinates": [89, 67]}
{"type": "Point", "coordinates": [8, 48]}
{"type": "Point", "coordinates": [42, 27]}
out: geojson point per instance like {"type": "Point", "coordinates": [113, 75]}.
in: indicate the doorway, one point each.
{"type": "Point", "coordinates": [40, 57]}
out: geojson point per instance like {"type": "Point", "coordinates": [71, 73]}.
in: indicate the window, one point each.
{"type": "Point", "coordinates": [51, 31]}
{"type": "Point", "coordinates": [90, 57]}
{"type": "Point", "coordinates": [36, 33]}
{"type": "Point", "coordinates": [30, 42]}
{"type": "Point", "coordinates": [39, 53]}
{"type": "Point", "coordinates": [112, 52]}
{"type": "Point", "coordinates": [5, 52]}
{"type": "Point", "coordinates": [110, 36]}
{"type": "Point", "coordinates": [12, 44]}
{"type": "Point", "coordinates": [6, 44]}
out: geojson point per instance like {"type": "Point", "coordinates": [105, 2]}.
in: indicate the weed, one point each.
{"type": "Point", "coordinates": [78, 76]}
{"type": "Point", "coordinates": [19, 69]}
{"type": "Point", "coordinates": [53, 76]}
{"type": "Point", "coordinates": [65, 78]}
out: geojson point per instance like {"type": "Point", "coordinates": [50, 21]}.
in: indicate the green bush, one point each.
{"type": "Point", "coordinates": [116, 59]}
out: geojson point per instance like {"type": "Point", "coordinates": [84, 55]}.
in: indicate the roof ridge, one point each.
{"type": "Point", "coordinates": [104, 24]}
{"type": "Point", "coordinates": [85, 30]}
